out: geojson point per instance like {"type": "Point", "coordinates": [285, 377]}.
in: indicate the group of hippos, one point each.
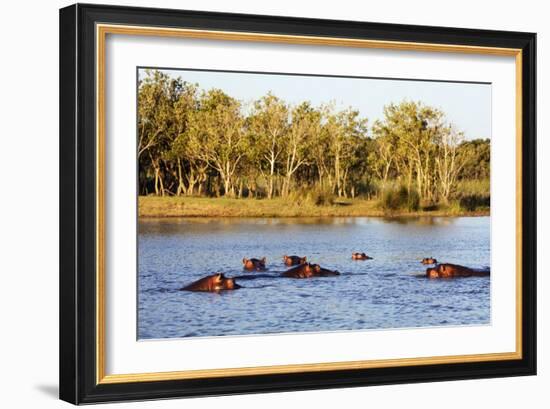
{"type": "Point", "coordinates": [301, 268]}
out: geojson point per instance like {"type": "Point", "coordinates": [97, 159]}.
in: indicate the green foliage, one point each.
{"type": "Point", "coordinates": [321, 197]}
{"type": "Point", "coordinates": [474, 202]}
{"type": "Point", "coordinates": [478, 159]}
{"type": "Point", "coordinates": [197, 142]}
{"type": "Point", "coordinates": [474, 195]}
{"type": "Point", "coordinates": [473, 187]}
{"type": "Point", "coordinates": [311, 196]}
{"type": "Point", "coordinates": [399, 198]}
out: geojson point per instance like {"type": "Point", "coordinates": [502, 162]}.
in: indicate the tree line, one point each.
{"type": "Point", "coordinates": [207, 143]}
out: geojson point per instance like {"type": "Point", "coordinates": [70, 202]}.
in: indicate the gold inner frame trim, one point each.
{"type": "Point", "coordinates": [101, 33]}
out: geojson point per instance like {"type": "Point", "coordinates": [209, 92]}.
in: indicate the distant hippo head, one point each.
{"type": "Point", "coordinates": [254, 263]}
{"type": "Point", "coordinates": [429, 260]}
{"type": "Point", "coordinates": [294, 260]}
{"type": "Point", "coordinates": [360, 256]}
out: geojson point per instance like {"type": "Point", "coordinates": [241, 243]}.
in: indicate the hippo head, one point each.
{"type": "Point", "coordinates": [221, 282]}
{"type": "Point", "coordinates": [218, 281]}
{"type": "Point", "coordinates": [432, 273]}
{"type": "Point", "coordinates": [230, 284]}
{"type": "Point", "coordinates": [315, 268]}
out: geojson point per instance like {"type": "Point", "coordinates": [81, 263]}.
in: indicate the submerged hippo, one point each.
{"type": "Point", "coordinates": [429, 260]}
{"type": "Point", "coordinates": [309, 270]}
{"type": "Point", "coordinates": [213, 283]}
{"type": "Point", "coordinates": [294, 260]}
{"type": "Point", "coordinates": [360, 256]}
{"type": "Point", "coordinates": [324, 272]}
{"type": "Point", "coordinates": [300, 271]}
{"type": "Point", "coordinates": [254, 264]}
{"type": "Point", "coordinates": [447, 270]}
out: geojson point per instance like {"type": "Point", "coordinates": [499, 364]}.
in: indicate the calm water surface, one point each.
{"type": "Point", "coordinates": [382, 293]}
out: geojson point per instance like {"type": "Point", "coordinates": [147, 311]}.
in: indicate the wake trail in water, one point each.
{"type": "Point", "coordinates": [256, 276]}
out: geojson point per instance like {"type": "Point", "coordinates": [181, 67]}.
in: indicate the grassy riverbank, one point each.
{"type": "Point", "coordinates": [153, 206]}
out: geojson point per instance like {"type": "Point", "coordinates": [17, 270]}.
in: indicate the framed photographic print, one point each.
{"type": "Point", "coordinates": [257, 203]}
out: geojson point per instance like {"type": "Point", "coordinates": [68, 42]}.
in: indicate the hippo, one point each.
{"type": "Point", "coordinates": [213, 283]}
{"type": "Point", "coordinates": [300, 271]}
{"type": "Point", "coordinates": [324, 272]}
{"type": "Point", "coordinates": [453, 270]}
{"type": "Point", "coordinates": [360, 256]}
{"type": "Point", "coordinates": [294, 260]}
{"type": "Point", "coordinates": [308, 270]}
{"type": "Point", "coordinates": [429, 260]}
{"type": "Point", "coordinates": [254, 264]}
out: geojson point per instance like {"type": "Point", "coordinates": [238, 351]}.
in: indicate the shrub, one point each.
{"type": "Point", "coordinates": [473, 187]}
{"type": "Point", "coordinates": [400, 198]}
{"type": "Point", "coordinates": [367, 187]}
{"type": "Point", "coordinates": [311, 196]}
{"type": "Point", "coordinates": [473, 194]}
{"type": "Point", "coordinates": [473, 202]}
{"type": "Point", "coordinates": [321, 197]}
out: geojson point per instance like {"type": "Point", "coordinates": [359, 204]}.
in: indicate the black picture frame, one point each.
{"type": "Point", "coordinates": [78, 258]}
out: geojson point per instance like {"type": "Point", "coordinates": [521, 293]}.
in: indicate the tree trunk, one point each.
{"type": "Point", "coordinates": [159, 186]}
{"type": "Point", "coordinates": [285, 191]}
{"type": "Point", "coordinates": [227, 187]}
{"type": "Point", "coordinates": [191, 181]}
{"type": "Point", "coordinates": [270, 189]}
{"type": "Point", "coordinates": [181, 186]}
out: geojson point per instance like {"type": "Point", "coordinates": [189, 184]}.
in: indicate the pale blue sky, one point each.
{"type": "Point", "coordinates": [467, 106]}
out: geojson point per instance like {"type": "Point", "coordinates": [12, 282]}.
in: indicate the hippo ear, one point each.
{"type": "Point", "coordinates": [305, 258]}
{"type": "Point", "coordinates": [244, 260]}
{"type": "Point", "coordinates": [264, 259]}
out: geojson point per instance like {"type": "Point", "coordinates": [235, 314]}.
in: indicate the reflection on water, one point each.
{"type": "Point", "coordinates": [381, 293]}
{"type": "Point", "coordinates": [421, 220]}
{"type": "Point", "coordinates": [174, 225]}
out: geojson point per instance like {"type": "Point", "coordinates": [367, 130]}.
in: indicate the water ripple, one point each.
{"type": "Point", "coordinates": [389, 291]}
